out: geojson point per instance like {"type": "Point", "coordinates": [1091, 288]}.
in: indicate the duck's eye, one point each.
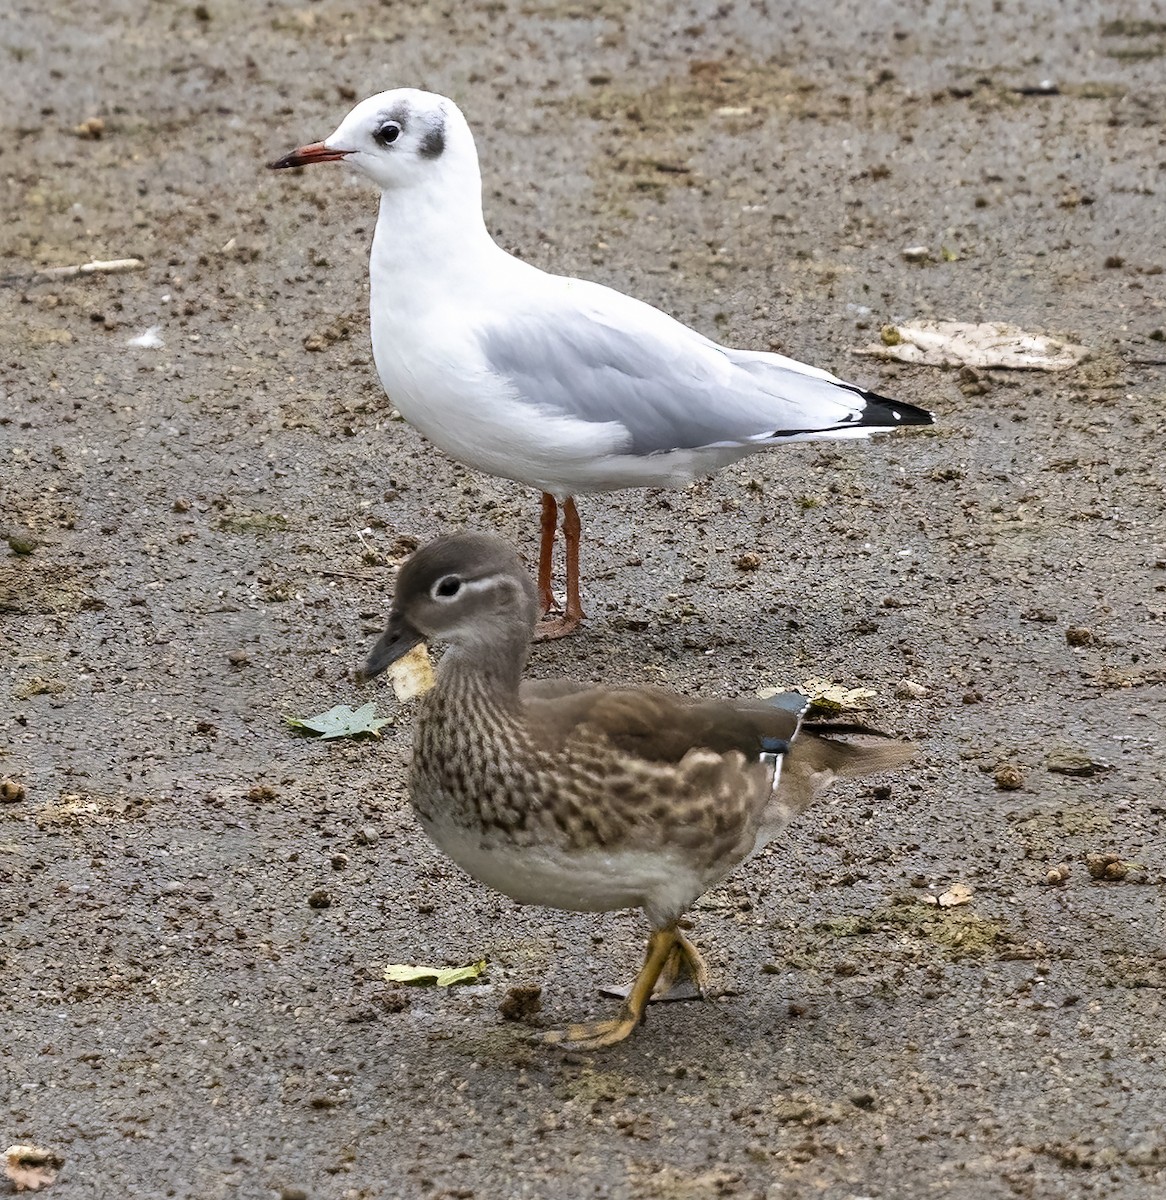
{"type": "Point", "coordinates": [388, 133]}
{"type": "Point", "coordinates": [448, 587]}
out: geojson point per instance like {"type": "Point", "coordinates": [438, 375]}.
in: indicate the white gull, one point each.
{"type": "Point", "coordinates": [561, 384]}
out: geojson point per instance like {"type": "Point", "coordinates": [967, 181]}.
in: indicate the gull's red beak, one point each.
{"type": "Point", "coordinates": [306, 155]}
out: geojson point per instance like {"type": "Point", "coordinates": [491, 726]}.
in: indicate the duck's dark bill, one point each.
{"type": "Point", "coordinates": [397, 640]}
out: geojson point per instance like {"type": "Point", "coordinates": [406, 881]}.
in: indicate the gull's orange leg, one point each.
{"type": "Point", "coordinates": [572, 527]}
{"type": "Point", "coordinates": [549, 631]}
{"type": "Point", "coordinates": [546, 551]}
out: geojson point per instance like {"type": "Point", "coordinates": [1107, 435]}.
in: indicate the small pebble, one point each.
{"type": "Point", "coordinates": [1107, 866]}
{"type": "Point", "coordinates": [22, 543]}
{"type": "Point", "coordinates": [1009, 777]}
{"type": "Point", "coordinates": [1079, 635]}
{"type": "Point", "coordinates": [394, 1002]}
{"type": "Point", "coordinates": [1058, 874]}
{"type": "Point", "coordinates": [747, 562]}
{"type": "Point", "coordinates": [916, 253]}
{"type": "Point", "coordinates": [908, 689]}
{"type": "Point", "coordinates": [367, 835]}
{"type": "Point", "coordinates": [238, 658]}
{"type": "Point", "coordinates": [11, 791]}
{"type": "Point", "coordinates": [320, 898]}
{"type": "Point", "coordinates": [181, 505]}
{"type": "Point", "coordinates": [92, 127]}
{"type": "Point", "coordinates": [339, 862]}
{"type": "Point", "coordinates": [522, 1002]}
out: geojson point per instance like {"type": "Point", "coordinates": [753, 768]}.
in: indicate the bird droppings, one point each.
{"type": "Point", "coordinates": [150, 339]}
{"type": "Point", "coordinates": [30, 1168]}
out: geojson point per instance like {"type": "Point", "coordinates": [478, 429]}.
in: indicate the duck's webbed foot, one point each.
{"type": "Point", "coordinates": [670, 955]}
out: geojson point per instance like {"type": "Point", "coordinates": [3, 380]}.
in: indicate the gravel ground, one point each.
{"type": "Point", "coordinates": [197, 904]}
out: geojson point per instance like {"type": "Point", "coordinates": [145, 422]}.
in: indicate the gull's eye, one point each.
{"type": "Point", "coordinates": [388, 133]}
{"type": "Point", "coordinates": [447, 588]}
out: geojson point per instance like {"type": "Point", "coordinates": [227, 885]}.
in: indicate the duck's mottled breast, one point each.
{"type": "Point", "coordinates": [477, 769]}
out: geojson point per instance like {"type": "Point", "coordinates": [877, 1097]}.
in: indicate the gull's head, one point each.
{"type": "Point", "coordinates": [398, 139]}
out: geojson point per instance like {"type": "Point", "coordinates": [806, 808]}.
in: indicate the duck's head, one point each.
{"type": "Point", "coordinates": [468, 589]}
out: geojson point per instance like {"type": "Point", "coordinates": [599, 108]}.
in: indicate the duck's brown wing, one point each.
{"type": "Point", "coordinates": [658, 726]}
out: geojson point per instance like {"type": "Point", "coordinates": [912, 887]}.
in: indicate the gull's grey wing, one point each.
{"type": "Point", "coordinates": [669, 387]}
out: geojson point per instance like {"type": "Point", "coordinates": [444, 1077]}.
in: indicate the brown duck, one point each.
{"type": "Point", "coordinates": [593, 798]}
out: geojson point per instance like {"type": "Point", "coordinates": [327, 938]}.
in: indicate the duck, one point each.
{"type": "Point", "coordinates": [591, 798]}
{"type": "Point", "coordinates": [558, 383]}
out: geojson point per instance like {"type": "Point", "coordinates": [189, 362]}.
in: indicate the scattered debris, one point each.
{"type": "Point", "coordinates": [29, 1168]}
{"type": "Point", "coordinates": [960, 343]}
{"type": "Point", "coordinates": [957, 894]}
{"type": "Point", "coordinates": [1046, 87]}
{"type": "Point", "coordinates": [433, 976]}
{"type": "Point", "coordinates": [1110, 867]}
{"type": "Point", "coordinates": [1058, 874]}
{"type": "Point", "coordinates": [412, 675]}
{"type": "Point", "coordinates": [522, 1003]}
{"type": "Point", "coordinates": [908, 689]}
{"type": "Point", "coordinates": [150, 340]}
{"type": "Point", "coordinates": [11, 791]}
{"type": "Point", "coordinates": [342, 721]}
{"type": "Point", "coordinates": [92, 128]}
{"type": "Point", "coordinates": [1073, 762]}
{"type": "Point", "coordinates": [1009, 777]}
{"type": "Point", "coordinates": [113, 266]}
{"type": "Point", "coordinates": [827, 699]}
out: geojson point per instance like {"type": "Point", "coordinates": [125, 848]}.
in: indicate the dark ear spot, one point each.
{"type": "Point", "coordinates": [433, 143]}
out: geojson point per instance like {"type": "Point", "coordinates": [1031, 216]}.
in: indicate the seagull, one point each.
{"type": "Point", "coordinates": [561, 384]}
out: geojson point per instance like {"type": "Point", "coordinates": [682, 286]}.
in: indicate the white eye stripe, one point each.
{"type": "Point", "coordinates": [485, 584]}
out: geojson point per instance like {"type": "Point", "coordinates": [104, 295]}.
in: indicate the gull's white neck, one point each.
{"type": "Point", "coordinates": [430, 237]}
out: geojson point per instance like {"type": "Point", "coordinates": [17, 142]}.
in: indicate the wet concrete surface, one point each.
{"type": "Point", "coordinates": [178, 1019]}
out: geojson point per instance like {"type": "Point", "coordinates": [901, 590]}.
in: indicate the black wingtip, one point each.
{"type": "Point", "coordinates": [881, 413]}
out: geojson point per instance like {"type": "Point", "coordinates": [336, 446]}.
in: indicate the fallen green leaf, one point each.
{"type": "Point", "coordinates": [433, 976]}
{"type": "Point", "coordinates": [342, 721]}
